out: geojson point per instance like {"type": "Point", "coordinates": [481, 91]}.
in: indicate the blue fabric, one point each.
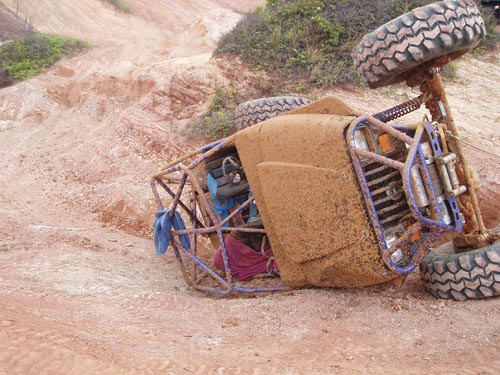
{"type": "Point", "coordinates": [221, 206]}
{"type": "Point", "coordinates": [163, 227]}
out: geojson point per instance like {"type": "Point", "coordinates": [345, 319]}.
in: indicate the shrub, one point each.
{"type": "Point", "coordinates": [29, 56]}
{"type": "Point", "coordinates": [218, 122]}
{"type": "Point", "coordinates": [309, 40]}
{"type": "Point", "coordinates": [5, 78]}
{"type": "Point", "coordinates": [213, 125]}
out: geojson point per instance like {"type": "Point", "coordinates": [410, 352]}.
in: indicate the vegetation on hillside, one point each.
{"type": "Point", "coordinates": [310, 40]}
{"type": "Point", "coordinates": [307, 44]}
{"type": "Point", "coordinates": [219, 120]}
{"type": "Point", "coordinates": [30, 56]}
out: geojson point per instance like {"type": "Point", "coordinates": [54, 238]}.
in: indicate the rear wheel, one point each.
{"type": "Point", "coordinates": [461, 276]}
{"type": "Point", "coordinates": [450, 28]}
{"type": "Point", "coordinates": [255, 111]}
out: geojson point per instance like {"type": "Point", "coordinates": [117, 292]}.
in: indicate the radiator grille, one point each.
{"type": "Point", "coordinates": [386, 189]}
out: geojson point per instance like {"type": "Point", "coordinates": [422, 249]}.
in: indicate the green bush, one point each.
{"type": "Point", "coordinates": [214, 125]}
{"type": "Point", "coordinates": [450, 71]}
{"type": "Point", "coordinates": [218, 122]}
{"type": "Point", "coordinates": [309, 40]}
{"type": "Point", "coordinates": [30, 56]}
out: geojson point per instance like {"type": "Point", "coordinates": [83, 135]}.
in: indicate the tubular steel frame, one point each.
{"type": "Point", "coordinates": [187, 182]}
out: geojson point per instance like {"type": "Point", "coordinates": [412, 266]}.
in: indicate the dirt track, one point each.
{"type": "Point", "coordinates": [81, 290]}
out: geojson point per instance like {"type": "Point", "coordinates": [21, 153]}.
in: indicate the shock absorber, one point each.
{"type": "Point", "coordinates": [400, 110]}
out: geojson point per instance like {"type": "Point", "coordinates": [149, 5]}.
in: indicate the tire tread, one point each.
{"type": "Point", "coordinates": [469, 275]}
{"type": "Point", "coordinates": [258, 110]}
{"type": "Point", "coordinates": [448, 27]}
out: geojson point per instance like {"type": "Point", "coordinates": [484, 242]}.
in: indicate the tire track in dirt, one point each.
{"type": "Point", "coordinates": [31, 350]}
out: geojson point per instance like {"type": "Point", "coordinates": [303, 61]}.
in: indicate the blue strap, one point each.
{"type": "Point", "coordinates": [163, 228]}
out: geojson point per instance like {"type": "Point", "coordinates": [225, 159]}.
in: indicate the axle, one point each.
{"type": "Point", "coordinates": [474, 233]}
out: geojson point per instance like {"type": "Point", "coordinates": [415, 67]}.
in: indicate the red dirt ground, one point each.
{"type": "Point", "coordinates": [81, 289]}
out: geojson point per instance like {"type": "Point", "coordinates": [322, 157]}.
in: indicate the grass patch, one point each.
{"type": "Point", "coordinates": [32, 55]}
{"type": "Point", "coordinates": [120, 5]}
{"type": "Point", "coordinates": [303, 46]}
{"type": "Point", "coordinates": [218, 122]}
{"type": "Point", "coordinates": [310, 41]}
{"type": "Point", "coordinates": [450, 71]}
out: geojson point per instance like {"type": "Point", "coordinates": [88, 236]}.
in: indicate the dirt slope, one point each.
{"type": "Point", "coordinates": [8, 27]}
{"type": "Point", "coordinates": [81, 290]}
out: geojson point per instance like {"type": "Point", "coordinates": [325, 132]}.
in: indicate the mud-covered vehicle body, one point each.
{"type": "Point", "coordinates": [342, 198]}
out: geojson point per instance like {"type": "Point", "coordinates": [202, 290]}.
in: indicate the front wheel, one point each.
{"type": "Point", "coordinates": [462, 276]}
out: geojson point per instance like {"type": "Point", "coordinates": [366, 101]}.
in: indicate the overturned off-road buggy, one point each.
{"type": "Point", "coordinates": [323, 195]}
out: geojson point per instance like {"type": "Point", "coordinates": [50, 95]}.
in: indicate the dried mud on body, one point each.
{"type": "Point", "coordinates": [81, 290]}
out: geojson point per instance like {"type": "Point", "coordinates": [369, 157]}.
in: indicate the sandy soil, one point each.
{"type": "Point", "coordinates": [81, 290]}
{"type": "Point", "coordinates": [8, 27]}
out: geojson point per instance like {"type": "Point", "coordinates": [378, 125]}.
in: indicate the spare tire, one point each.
{"type": "Point", "coordinates": [462, 276]}
{"type": "Point", "coordinates": [255, 111]}
{"type": "Point", "coordinates": [450, 28]}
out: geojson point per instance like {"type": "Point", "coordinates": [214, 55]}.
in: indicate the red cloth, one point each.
{"type": "Point", "coordinates": [244, 261]}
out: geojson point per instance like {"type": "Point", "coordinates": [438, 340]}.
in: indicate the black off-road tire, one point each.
{"type": "Point", "coordinates": [450, 28]}
{"type": "Point", "coordinates": [462, 276]}
{"type": "Point", "coordinates": [255, 111]}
